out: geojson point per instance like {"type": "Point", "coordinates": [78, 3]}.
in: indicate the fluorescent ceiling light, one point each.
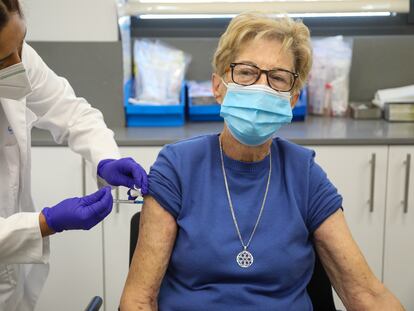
{"type": "Point", "coordinates": [301, 8]}
{"type": "Point", "coordinates": [300, 15]}
{"type": "Point", "coordinates": [184, 16]}
{"type": "Point", "coordinates": [341, 14]}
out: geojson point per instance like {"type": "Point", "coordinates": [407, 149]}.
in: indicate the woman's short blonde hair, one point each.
{"type": "Point", "coordinates": [293, 35]}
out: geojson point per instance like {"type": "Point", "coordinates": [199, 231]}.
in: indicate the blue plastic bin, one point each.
{"type": "Point", "coordinates": [212, 112]}
{"type": "Point", "coordinates": [152, 115]}
{"type": "Point", "coordinates": [300, 109]}
{"type": "Point", "coordinates": [204, 112]}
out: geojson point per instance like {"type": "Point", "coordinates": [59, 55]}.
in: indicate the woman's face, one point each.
{"type": "Point", "coordinates": [263, 53]}
{"type": "Point", "coordinates": [11, 41]}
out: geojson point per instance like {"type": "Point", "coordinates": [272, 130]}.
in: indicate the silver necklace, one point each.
{"type": "Point", "coordinates": [245, 258]}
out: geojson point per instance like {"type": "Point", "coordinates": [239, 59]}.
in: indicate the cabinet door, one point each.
{"type": "Point", "coordinates": [399, 234]}
{"type": "Point", "coordinates": [359, 180]}
{"type": "Point", "coordinates": [116, 231]}
{"type": "Point", "coordinates": [76, 270]}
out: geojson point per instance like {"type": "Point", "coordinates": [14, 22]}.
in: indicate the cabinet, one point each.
{"type": "Point", "coordinates": [76, 270]}
{"type": "Point", "coordinates": [399, 225]}
{"type": "Point", "coordinates": [359, 173]}
{"type": "Point", "coordinates": [360, 180]}
{"type": "Point", "coordinates": [116, 231]}
{"type": "Point", "coordinates": [385, 233]}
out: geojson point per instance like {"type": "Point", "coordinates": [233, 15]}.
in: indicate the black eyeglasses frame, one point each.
{"type": "Point", "coordinates": [266, 72]}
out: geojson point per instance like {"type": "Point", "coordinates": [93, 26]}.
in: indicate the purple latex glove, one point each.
{"type": "Point", "coordinates": [79, 213]}
{"type": "Point", "coordinates": [124, 172]}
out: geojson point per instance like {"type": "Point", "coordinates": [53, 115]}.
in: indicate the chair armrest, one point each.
{"type": "Point", "coordinates": [95, 304]}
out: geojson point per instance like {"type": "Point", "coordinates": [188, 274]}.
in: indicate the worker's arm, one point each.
{"type": "Point", "coordinates": [72, 119]}
{"type": "Point", "coordinates": [157, 233]}
{"type": "Point", "coordinates": [21, 239]}
{"type": "Point", "coordinates": [347, 269]}
{"type": "Point", "coordinates": [45, 230]}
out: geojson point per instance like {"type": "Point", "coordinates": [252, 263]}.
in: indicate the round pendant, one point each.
{"type": "Point", "coordinates": [244, 259]}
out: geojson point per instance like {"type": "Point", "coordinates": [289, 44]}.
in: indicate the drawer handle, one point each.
{"type": "Point", "coordinates": [117, 199]}
{"type": "Point", "coordinates": [372, 189]}
{"type": "Point", "coordinates": [407, 163]}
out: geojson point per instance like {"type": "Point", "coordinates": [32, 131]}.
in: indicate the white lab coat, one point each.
{"type": "Point", "coordinates": [52, 105]}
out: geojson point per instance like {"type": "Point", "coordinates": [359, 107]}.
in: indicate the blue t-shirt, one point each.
{"type": "Point", "coordinates": [187, 181]}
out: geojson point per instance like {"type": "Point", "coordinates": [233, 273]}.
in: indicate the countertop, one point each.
{"type": "Point", "coordinates": [313, 131]}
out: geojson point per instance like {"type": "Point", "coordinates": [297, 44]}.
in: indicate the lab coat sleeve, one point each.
{"type": "Point", "coordinates": [67, 117]}
{"type": "Point", "coordinates": [21, 240]}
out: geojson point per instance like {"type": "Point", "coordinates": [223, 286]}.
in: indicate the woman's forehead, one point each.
{"type": "Point", "coordinates": [266, 53]}
{"type": "Point", "coordinates": [12, 35]}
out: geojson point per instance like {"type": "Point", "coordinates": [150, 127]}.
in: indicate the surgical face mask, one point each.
{"type": "Point", "coordinates": [14, 82]}
{"type": "Point", "coordinates": [255, 113]}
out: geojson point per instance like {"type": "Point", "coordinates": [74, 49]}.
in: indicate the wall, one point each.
{"type": "Point", "coordinates": [71, 20]}
{"type": "Point", "coordinates": [381, 62]}
{"type": "Point", "coordinates": [382, 49]}
{"type": "Point", "coordinates": [378, 62]}
{"type": "Point", "coordinates": [94, 69]}
{"type": "Point", "coordinates": [80, 40]}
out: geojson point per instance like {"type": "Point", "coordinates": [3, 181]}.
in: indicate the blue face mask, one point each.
{"type": "Point", "coordinates": [254, 113]}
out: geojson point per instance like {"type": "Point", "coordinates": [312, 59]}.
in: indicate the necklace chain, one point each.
{"type": "Point", "coordinates": [245, 246]}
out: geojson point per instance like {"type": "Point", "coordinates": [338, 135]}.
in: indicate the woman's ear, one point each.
{"type": "Point", "coordinates": [294, 100]}
{"type": "Point", "coordinates": [218, 88]}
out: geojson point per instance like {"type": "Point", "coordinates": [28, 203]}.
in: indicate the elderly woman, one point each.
{"type": "Point", "coordinates": [232, 220]}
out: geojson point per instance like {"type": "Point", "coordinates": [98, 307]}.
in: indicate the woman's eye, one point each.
{"type": "Point", "coordinates": [278, 78]}
{"type": "Point", "coordinates": [247, 72]}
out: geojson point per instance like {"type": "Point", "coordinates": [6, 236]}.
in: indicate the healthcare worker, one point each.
{"type": "Point", "coordinates": [32, 95]}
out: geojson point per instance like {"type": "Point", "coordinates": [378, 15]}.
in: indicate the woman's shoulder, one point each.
{"type": "Point", "coordinates": [190, 148]}
{"type": "Point", "coordinates": [291, 150]}
{"type": "Point", "coordinates": [200, 140]}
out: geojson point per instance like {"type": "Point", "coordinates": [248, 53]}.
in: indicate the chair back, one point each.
{"type": "Point", "coordinates": [95, 304]}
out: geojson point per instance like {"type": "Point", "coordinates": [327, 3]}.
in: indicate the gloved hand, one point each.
{"type": "Point", "coordinates": [124, 172]}
{"type": "Point", "coordinates": [79, 213]}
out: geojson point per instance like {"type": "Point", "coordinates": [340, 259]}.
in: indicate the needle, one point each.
{"type": "Point", "coordinates": [128, 202]}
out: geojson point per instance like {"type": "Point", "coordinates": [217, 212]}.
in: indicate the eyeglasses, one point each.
{"type": "Point", "coordinates": [281, 80]}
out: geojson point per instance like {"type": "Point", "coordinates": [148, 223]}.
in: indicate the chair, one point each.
{"type": "Point", "coordinates": [319, 287]}
{"type": "Point", "coordinates": [95, 304]}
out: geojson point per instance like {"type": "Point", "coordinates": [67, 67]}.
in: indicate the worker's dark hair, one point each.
{"type": "Point", "coordinates": [6, 8]}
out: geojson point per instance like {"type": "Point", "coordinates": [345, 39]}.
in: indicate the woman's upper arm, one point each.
{"type": "Point", "coordinates": [157, 233]}
{"type": "Point", "coordinates": [340, 255]}
{"type": "Point", "coordinates": [347, 268]}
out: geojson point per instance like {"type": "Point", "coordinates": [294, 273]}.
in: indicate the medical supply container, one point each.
{"type": "Point", "coordinates": [300, 110]}
{"type": "Point", "coordinates": [152, 115]}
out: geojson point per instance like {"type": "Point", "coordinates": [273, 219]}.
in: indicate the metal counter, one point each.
{"type": "Point", "coordinates": [314, 131]}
